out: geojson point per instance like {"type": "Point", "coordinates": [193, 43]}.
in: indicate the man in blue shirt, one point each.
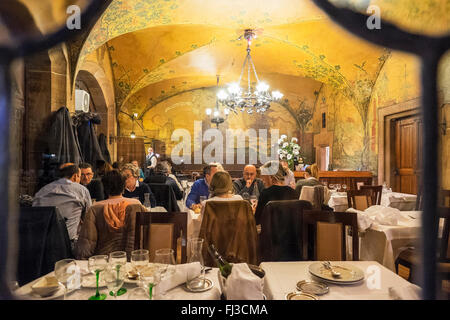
{"type": "Point", "coordinates": [200, 188]}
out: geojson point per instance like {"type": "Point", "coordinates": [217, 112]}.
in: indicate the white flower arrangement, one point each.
{"type": "Point", "coordinates": [289, 151]}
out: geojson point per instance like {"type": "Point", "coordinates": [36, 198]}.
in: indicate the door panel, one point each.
{"type": "Point", "coordinates": [407, 132]}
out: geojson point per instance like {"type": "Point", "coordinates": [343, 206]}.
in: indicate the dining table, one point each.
{"type": "Point", "coordinates": [402, 201]}
{"type": "Point", "coordinates": [379, 282]}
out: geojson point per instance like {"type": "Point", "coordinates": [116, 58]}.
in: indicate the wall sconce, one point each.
{"type": "Point", "coordinates": [132, 135]}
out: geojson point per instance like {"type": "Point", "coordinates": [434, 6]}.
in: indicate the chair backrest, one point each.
{"type": "Point", "coordinates": [43, 240]}
{"type": "Point", "coordinates": [444, 255]}
{"type": "Point", "coordinates": [376, 193]}
{"type": "Point", "coordinates": [281, 230]}
{"type": "Point", "coordinates": [231, 227]}
{"type": "Point", "coordinates": [327, 231]}
{"type": "Point", "coordinates": [313, 194]}
{"type": "Point", "coordinates": [165, 196]}
{"type": "Point", "coordinates": [359, 199]}
{"type": "Point", "coordinates": [156, 230]}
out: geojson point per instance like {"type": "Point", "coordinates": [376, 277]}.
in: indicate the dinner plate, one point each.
{"type": "Point", "coordinates": [349, 273]}
{"type": "Point", "coordinates": [208, 286]}
{"type": "Point", "coordinates": [33, 295]}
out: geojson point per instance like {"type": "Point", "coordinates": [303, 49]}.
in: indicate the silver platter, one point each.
{"type": "Point", "coordinates": [301, 296]}
{"type": "Point", "coordinates": [208, 285]}
{"type": "Point", "coordinates": [312, 287]}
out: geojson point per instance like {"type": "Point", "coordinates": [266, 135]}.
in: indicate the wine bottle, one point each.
{"type": "Point", "coordinates": [222, 264]}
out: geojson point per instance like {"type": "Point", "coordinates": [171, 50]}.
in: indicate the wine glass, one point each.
{"type": "Point", "coordinates": [344, 186]}
{"type": "Point", "coordinates": [97, 264]}
{"type": "Point", "coordinates": [151, 277]}
{"type": "Point", "coordinates": [118, 259]}
{"type": "Point", "coordinates": [138, 293]}
{"type": "Point", "coordinates": [62, 272]}
{"type": "Point", "coordinates": [166, 260]}
{"type": "Point", "coordinates": [139, 261]}
{"type": "Point", "coordinates": [114, 277]}
{"type": "Point", "coordinates": [338, 187]}
{"type": "Point", "coordinates": [331, 186]}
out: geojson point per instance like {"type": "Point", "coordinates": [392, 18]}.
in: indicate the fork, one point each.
{"type": "Point", "coordinates": [328, 266]}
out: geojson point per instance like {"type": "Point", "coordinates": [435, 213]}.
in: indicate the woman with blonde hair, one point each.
{"type": "Point", "coordinates": [311, 178]}
{"type": "Point", "coordinates": [273, 175]}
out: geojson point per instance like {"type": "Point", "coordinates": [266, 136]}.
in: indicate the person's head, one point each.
{"type": "Point", "coordinates": [208, 172]}
{"type": "Point", "coordinates": [135, 162]}
{"type": "Point", "coordinates": [221, 184]}
{"type": "Point", "coordinates": [131, 173]}
{"type": "Point", "coordinates": [218, 165]}
{"type": "Point", "coordinates": [249, 172]}
{"type": "Point", "coordinates": [113, 183]}
{"type": "Point", "coordinates": [312, 171]}
{"type": "Point", "coordinates": [70, 171]}
{"type": "Point", "coordinates": [285, 164]}
{"type": "Point", "coordinates": [272, 172]}
{"type": "Point", "coordinates": [162, 168]}
{"type": "Point", "coordinates": [86, 173]}
{"type": "Point", "coordinates": [116, 165]}
{"type": "Point", "coordinates": [150, 150]}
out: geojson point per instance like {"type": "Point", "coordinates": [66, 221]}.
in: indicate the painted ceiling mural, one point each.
{"type": "Point", "coordinates": [161, 50]}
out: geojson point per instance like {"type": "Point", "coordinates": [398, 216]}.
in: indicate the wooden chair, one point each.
{"type": "Point", "coordinates": [231, 227]}
{"type": "Point", "coordinates": [326, 231]}
{"type": "Point", "coordinates": [408, 260]}
{"type": "Point", "coordinates": [155, 230]}
{"type": "Point", "coordinates": [376, 193]}
{"type": "Point", "coordinates": [359, 199]}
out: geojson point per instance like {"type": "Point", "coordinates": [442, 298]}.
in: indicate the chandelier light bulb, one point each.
{"type": "Point", "coordinates": [226, 111]}
{"type": "Point", "coordinates": [262, 87]}
{"type": "Point", "coordinates": [132, 135]}
{"type": "Point", "coordinates": [222, 95]}
{"type": "Point", "coordinates": [216, 113]}
{"type": "Point", "coordinates": [277, 95]}
{"type": "Point", "coordinates": [208, 112]}
{"type": "Point", "coordinates": [234, 88]}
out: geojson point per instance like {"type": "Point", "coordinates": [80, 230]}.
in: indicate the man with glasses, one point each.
{"type": "Point", "coordinates": [94, 186]}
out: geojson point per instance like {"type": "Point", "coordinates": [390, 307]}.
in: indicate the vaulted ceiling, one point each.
{"type": "Point", "coordinates": [161, 48]}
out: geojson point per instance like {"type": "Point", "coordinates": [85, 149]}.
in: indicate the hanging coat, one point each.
{"type": "Point", "coordinates": [104, 147]}
{"type": "Point", "coordinates": [90, 149]}
{"type": "Point", "coordinates": [62, 138]}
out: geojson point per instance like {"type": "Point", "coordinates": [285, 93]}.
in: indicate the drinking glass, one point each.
{"type": "Point", "coordinates": [97, 264]}
{"type": "Point", "coordinates": [338, 187]}
{"type": "Point", "coordinates": [114, 277]}
{"type": "Point", "coordinates": [245, 196]}
{"type": "Point", "coordinates": [138, 293]}
{"type": "Point", "coordinates": [151, 277]}
{"type": "Point", "coordinates": [331, 186]}
{"type": "Point", "coordinates": [63, 271]}
{"type": "Point", "coordinates": [118, 259]}
{"type": "Point", "coordinates": [344, 186]}
{"type": "Point", "coordinates": [202, 198]}
{"type": "Point", "coordinates": [139, 261]}
{"type": "Point", "coordinates": [254, 200]}
{"type": "Point", "coordinates": [166, 260]}
{"type": "Point", "coordinates": [194, 281]}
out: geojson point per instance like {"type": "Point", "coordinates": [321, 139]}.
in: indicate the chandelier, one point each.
{"type": "Point", "coordinates": [254, 99]}
{"type": "Point", "coordinates": [217, 117]}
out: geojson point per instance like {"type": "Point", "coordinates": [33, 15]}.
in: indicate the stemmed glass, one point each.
{"type": "Point", "coordinates": [118, 260]}
{"type": "Point", "coordinates": [97, 264]}
{"type": "Point", "coordinates": [166, 260]}
{"type": "Point", "coordinates": [114, 278]}
{"type": "Point", "coordinates": [150, 278]}
{"type": "Point", "coordinates": [331, 186]}
{"type": "Point", "coordinates": [139, 261]}
{"type": "Point", "coordinates": [344, 186]}
{"type": "Point", "coordinates": [62, 272]}
{"type": "Point", "coordinates": [338, 187]}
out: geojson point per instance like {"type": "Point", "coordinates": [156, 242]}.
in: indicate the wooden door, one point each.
{"type": "Point", "coordinates": [408, 132]}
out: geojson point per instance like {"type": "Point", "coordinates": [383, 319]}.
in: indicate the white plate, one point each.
{"type": "Point", "coordinates": [33, 295]}
{"type": "Point", "coordinates": [349, 273]}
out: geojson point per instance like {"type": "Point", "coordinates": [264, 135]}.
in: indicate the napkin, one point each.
{"type": "Point", "coordinates": [384, 215]}
{"type": "Point", "coordinates": [364, 220]}
{"type": "Point", "coordinates": [408, 292]}
{"type": "Point", "coordinates": [180, 275]}
{"type": "Point", "coordinates": [243, 284]}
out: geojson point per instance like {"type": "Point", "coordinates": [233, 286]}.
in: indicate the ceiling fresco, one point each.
{"type": "Point", "coordinates": [161, 48]}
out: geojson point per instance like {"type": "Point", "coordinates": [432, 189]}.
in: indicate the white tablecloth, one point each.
{"type": "Point", "coordinates": [281, 278]}
{"type": "Point", "coordinates": [177, 293]}
{"type": "Point", "coordinates": [401, 201]}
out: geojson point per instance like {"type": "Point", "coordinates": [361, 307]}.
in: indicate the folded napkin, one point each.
{"type": "Point", "coordinates": [158, 209]}
{"type": "Point", "coordinates": [364, 220]}
{"type": "Point", "coordinates": [408, 292]}
{"type": "Point", "coordinates": [243, 284]}
{"type": "Point", "coordinates": [384, 215]}
{"type": "Point", "coordinates": [180, 275]}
